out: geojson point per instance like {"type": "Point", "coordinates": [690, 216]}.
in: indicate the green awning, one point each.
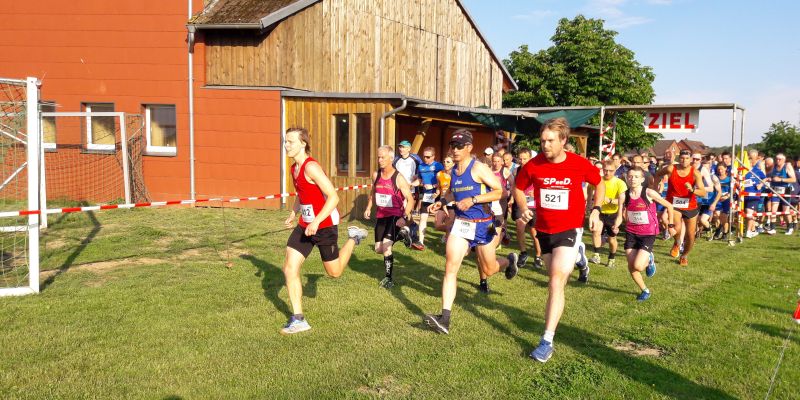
{"type": "Point", "coordinates": [575, 118]}
{"type": "Point", "coordinates": [529, 126]}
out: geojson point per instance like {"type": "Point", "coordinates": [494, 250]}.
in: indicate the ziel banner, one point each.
{"type": "Point", "coordinates": [672, 121]}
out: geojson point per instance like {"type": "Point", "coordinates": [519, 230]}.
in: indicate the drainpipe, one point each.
{"type": "Point", "coordinates": [191, 106]}
{"type": "Point", "coordinates": [283, 150]}
{"type": "Point", "coordinates": [388, 114]}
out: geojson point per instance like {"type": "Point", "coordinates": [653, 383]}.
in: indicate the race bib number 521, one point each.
{"type": "Point", "coordinates": [554, 199]}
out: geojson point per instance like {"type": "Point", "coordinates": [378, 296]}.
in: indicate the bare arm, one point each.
{"type": "Point", "coordinates": [482, 174]}
{"type": "Point", "coordinates": [405, 189]}
{"type": "Point", "coordinates": [660, 174]}
{"type": "Point", "coordinates": [368, 210]}
{"type": "Point", "coordinates": [717, 190]}
{"type": "Point", "coordinates": [655, 196]}
{"type": "Point", "coordinates": [316, 176]}
{"type": "Point", "coordinates": [699, 190]}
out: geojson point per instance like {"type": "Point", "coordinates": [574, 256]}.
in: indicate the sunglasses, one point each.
{"type": "Point", "coordinates": [457, 146]}
{"type": "Point", "coordinates": [427, 156]}
{"type": "Point", "coordinates": [697, 159]}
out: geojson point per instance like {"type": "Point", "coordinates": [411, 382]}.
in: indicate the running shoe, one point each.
{"type": "Point", "coordinates": [584, 274]}
{"type": "Point", "coordinates": [711, 236]}
{"type": "Point", "coordinates": [666, 235]}
{"type": "Point", "coordinates": [405, 234]}
{"type": "Point", "coordinates": [675, 251]}
{"type": "Point", "coordinates": [387, 283]}
{"type": "Point", "coordinates": [684, 262]}
{"type": "Point", "coordinates": [436, 323]}
{"type": "Point", "coordinates": [538, 262]}
{"type": "Point", "coordinates": [295, 326]}
{"type": "Point", "coordinates": [512, 269]}
{"type": "Point", "coordinates": [418, 246]}
{"type": "Point", "coordinates": [356, 233]}
{"type": "Point", "coordinates": [612, 263]}
{"type": "Point", "coordinates": [789, 231]}
{"type": "Point", "coordinates": [483, 287]}
{"type": "Point", "coordinates": [643, 296]}
{"type": "Point", "coordinates": [771, 231]}
{"type": "Point", "coordinates": [523, 258]}
{"type": "Point", "coordinates": [543, 352]}
{"type": "Point", "coordinates": [718, 236]}
{"type": "Point", "coordinates": [751, 234]}
{"type": "Point", "coordinates": [760, 229]}
{"type": "Point", "coordinates": [651, 267]}
{"type": "Point", "coordinates": [595, 259]}
{"type": "Point", "coordinates": [582, 261]}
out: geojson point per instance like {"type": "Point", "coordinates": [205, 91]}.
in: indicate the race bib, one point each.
{"type": "Point", "coordinates": [463, 229]}
{"type": "Point", "coordinates": [780, 189]}
{"type": "Point", "coordinates": [747, 183]}
{"type": "Point", "coordinates": [554, 199]}
{"type": "Point", "coordinates": [307, 213]}
{"type": "Point", "coordinates": [428, 186]}
{"type": "Point", "coordinates": [383, 200]}
{"type": "Point", "coordinates": [428, 197]}
{"type": "Point", "coordinates": [680, 202]}
{"type": "Point", "coordinates": [638, 217]}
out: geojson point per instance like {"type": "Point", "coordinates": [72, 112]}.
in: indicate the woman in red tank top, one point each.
{"type": "Point", "coordinates": [682, 189]}
{"type": "Point", "coordinates": [318, 226]}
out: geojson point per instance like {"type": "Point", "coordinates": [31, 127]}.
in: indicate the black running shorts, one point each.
{"type": "Point", "coordinates": [608, 221]}
{"type": "Point", "coordinates": [636, 242]}
{"type": "Point", "coordinates": [549, 241]}
{"type": "Point", "coordinates": [689, 214]}
{"type": "Point", "coordinates": [386, 228]}
{"type": "Point", "coordinates": [326, 239]}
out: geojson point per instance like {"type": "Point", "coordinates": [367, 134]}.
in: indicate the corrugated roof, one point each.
{"type": "Point", "coordinates": [238, 11]}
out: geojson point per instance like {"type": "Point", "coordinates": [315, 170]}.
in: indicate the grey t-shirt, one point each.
{"type": "Point", "coordinates": [406, 166]}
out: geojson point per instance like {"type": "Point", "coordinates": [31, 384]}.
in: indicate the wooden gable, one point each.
{"type": "Point", "coordinates": [427, 49]}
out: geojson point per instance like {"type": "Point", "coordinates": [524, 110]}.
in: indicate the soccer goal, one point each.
{"type": "Point", "coordinates": [19, 158]}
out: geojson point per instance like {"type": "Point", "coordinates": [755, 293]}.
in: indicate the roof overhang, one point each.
{"type": "Point", "coordinates": [640, 107]}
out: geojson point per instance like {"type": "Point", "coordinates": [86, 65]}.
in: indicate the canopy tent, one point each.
{"type": "Point", "coordinates": [528, 126]}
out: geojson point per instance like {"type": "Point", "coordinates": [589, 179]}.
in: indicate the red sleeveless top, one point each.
{"type": "Point", "coordinates": [311, 199]}
{"type": "Point", "coordinates": [677, 194]}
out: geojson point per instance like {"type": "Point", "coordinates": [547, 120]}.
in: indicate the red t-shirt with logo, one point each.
{"type": "Point", "coordinates": [560, 204]}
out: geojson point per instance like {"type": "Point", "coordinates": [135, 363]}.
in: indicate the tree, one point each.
{"type": "Point", "coordinates": [782, 137]}
{"type": "Point", "coordinates": [585, 67]}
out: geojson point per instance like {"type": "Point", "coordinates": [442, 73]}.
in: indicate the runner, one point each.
{"type": "Point", "coordinates": [530, 198]}
{"type": "Point", "coordinates": [723, 208]}
{"type": "Point", "coordinates": [752, 184]}
{"type": "Point", "coordinates": [393, 198]}
{"type": "Point", "coordinates": [427, 175]}
{"type": "Point", "coordinates": [500, 207]}
{"type": "Point", "coordinates": [707, 203]}
{"type": "Point", "coordinates": [557, 178]}
{"type": "Point", "coordinates": [316, 200]}
{"type": "Point", "coordinates": [610, 214]}
{"type": "Point", "coordinates": [443, 218]}
{"type": "Point", "coordinates": [473, 226]}
{"type": "Point", "coordinates": [683, 186]}
{"type": "Point", "coordinates": [794, 201]}
{"type": "Point", "coordinates": [780, 180]}
{"type": "Point", "coordinates": [407, 164]}
{"type": "Point", "coordinates": [641, 228]}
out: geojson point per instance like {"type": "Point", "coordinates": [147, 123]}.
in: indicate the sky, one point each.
{"type": "Point", "coordinates": [701, 51]}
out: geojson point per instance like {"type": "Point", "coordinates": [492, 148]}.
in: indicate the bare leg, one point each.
{"type": "Point", "coordinates": [334, 268]}
{"type": "Point", "coordinates": [637, 262]}
{"type": "Point", "coordinates": [559, 264]}
{"type": "Point", "coordinates": [291, 271]}
{"type": "Point", "coordinates": [456, 249]}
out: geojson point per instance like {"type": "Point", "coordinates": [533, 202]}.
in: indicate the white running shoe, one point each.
{"type": "Point", "coordinates": [789, 231]}
{"type": "Point", "coordinates": [356, 233]}
{"type": "Point", "coordinates": [751, 234]}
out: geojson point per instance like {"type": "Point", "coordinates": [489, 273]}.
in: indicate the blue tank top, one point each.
{"type": "Point", "coordinates": [427, 172]}
{"type": "Point", "coordinates": [464, 187]}
{"type": "Point", "coordinates": [725, 184]}
{"type": "Point", "coordinates": [779, 174]}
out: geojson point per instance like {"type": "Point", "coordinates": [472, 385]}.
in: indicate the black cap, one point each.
{"type": "Point", "coordinates": [461, 136]}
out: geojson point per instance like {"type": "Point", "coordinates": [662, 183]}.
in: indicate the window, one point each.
{"type": "Point", "coordinates": [353, 143]}
{"type": "Point", "coordinates": [161, 131]}
{"type": "Point", "coordinates": [342, 140]}
{"type": "Point", "coordinates": [100, 131]}
{"type": "Point", "coordinates": [48, 126]}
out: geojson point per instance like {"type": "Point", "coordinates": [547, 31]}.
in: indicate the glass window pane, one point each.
{"type": "Point", "coordinates": [103, 128]}
{"type": "Point", "coordinates": [162, 126]}
{"type": "Point", "coordinates": [48, 124]}
{"type": "Point", "coordinates": [363, 139]}
{"type": "Point", "coordinates": [342, 135]}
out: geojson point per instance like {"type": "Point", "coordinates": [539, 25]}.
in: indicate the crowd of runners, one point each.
{"type": "Point", "coordinates": [547, 196]}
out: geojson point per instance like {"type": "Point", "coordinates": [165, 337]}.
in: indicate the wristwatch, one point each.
{"type": "Point", "coordinates": [474, 200]}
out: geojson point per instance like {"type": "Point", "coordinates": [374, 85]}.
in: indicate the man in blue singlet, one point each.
{"type": "Point", "coordinates": [473, 187]}
{"type": "Point", "coordinates": [427, 175]}
{"type": "Point", "coordinates": [780, 180]}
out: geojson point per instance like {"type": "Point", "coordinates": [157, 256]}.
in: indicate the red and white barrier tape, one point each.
{"type": "Point", "coordinates": [158, 203]}
{"type": "Point", "coordinates": [753, 194]}
{"type": "Point", "coordinates": [768, 214]}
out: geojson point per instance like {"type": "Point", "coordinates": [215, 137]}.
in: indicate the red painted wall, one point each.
{"type": "Point", "coordinates": [131, 53]}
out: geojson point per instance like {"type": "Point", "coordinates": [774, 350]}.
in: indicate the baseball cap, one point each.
{"type": "Point", "coordinates": [405, 143]}
{"type": "Point", "coordinates": [461, 136]}
{"type": "Point", "coordinates": [489, 151]}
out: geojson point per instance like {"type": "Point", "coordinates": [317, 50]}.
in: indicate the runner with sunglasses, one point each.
{"type": "Point", "coordinates": [473, 187]}
{"type": "Point", "coordinates": [427, 175]}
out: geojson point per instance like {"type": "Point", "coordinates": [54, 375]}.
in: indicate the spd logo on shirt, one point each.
{"type": "Point", "coordinates": [555, 181]}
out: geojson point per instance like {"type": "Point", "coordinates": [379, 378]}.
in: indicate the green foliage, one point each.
{"type": "Point", "coordinates": [782, 137]}
{"type": "Point", "coordinates": [585, 67]}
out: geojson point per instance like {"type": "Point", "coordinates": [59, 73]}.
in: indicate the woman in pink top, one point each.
{"type": "Point", "coordinates": [642, 227]}
{"type": "Point", "coordinates": [392, 195]}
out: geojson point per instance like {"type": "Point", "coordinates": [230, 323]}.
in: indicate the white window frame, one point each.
{"type": "Point", "coordinates": [89, 144]}
{"type": "Point", "coordinates": [159, 150]}
{"type": "Point", "coordinates": [47, 145]}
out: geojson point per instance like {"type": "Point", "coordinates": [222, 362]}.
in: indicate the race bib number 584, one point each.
{"type": "Point", "coordinates": [554, 199]}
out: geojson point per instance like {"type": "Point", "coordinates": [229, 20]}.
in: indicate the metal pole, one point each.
{"type": "Point", "coordinates": [602, 133]}
{"type": "Point", "coordinates": [32, 117]}
{"type": "Point", "coordinates": [736, 181]}
{"type": "Point", "coordinates": [125, 159]}
{"type": "Point", "coordinates": [42, 175]}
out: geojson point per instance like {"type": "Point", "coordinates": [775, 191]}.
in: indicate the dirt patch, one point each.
{"type": "Point", "coordinates": [55, 243]}
{"type": "Point", "coordinates": [104, 266]}
{"type": "Point", "coordinates": [638, 349]}
{"type": "Point", "coordinates": [163, 242]}
{"type": "Point", "coordinates": [385, 388]}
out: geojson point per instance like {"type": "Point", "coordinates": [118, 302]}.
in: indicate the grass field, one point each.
{"type": "Point", "coordinates": [142, 304]}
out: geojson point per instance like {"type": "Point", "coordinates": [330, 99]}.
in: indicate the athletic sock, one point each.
{"type": "Point", "coordinates": [611, 256]}
{"type": "Point", "coordinates": [445, 316]}
{"type": "Point", "coordinates": [549, 336]}
{"type": "Point", "coordinates": [646, 290]}
{"type": "Point", "coordinates": [596, 250]}
{"type": "Point", "coordinates": [388, 263]}
{"type": "Point", "coordinates": [299, 317]}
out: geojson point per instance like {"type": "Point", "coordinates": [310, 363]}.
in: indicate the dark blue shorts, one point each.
{"type": "Point", "coordinates": [484, 233]}
{"type": "Point", "coordinates": [753, 203]}
{"type": "Point", "coordinates": [724, 206]}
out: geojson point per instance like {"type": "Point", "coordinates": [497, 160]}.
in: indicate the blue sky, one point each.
{"type": "Point", "coordinates": [702, 51]}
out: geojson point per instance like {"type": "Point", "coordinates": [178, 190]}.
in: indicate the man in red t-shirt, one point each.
{"type": "Point", "coordinates": [557, 177]}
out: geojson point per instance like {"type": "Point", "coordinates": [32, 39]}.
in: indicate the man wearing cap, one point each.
{"type": "Point", "coordinates": [488, 153]}
{"type": "Point", "coordinates": [473, 187]}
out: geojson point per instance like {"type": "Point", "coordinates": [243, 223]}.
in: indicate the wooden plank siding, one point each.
{"type": "Point", "coordinates": [317, 115]}
{"type": "Point", "coordinates": [422, 48]}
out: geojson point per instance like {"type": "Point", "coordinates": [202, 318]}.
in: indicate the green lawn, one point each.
{"type": "Point", "coordinates": [141, 304]}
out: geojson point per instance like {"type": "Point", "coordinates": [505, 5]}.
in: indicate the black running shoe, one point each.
{"type": "Point", "coordinates": [523, 259]}
{"type": "Point", "coordinates": [405, 235]}
{"type": "Point", "coordinates": [484, 288]}
{"type": "Point", "coordinates": [584, 275]}
{"type": "Point", "coordinates": [435, 322]}
{"type": "Point", "coordinates": [512, 269]}
{"type": "Point", "coordinates": [538, 263]}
